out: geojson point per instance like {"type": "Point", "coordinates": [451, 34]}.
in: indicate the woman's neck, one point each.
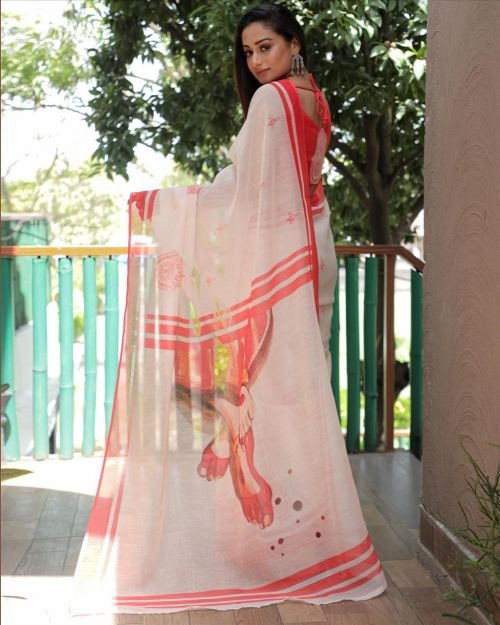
{"type": "Point", "coordinates": [301, 81]}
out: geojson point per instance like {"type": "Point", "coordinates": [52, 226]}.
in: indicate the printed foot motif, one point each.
{"type": "Point", "coordinates": [212, 466]}
{"type": "Point", "coordinates": [251, 488]}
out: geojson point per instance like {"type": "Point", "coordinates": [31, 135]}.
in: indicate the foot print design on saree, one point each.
{"type": "Point", "coordinates": [232, 413]}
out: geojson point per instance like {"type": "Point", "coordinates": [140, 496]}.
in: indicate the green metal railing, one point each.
{"type": "Point", "coordinates": [417, 341]}
{"type": "Point", "coordinates": [66, 340]}
{"type": "Point", "coordinates": [353, 364]}
{"type": "Point", "coordinates": [111, 336]}
{"type": "Point", "coordinates": [370, 348]}
{"type": "Point", "coordinates": [90, 335]}
{"type": "Point", "coordinates": [94, 256]}
{"type": "Point", "coordinates": [374, 256]}
{"type": "Point", "coordinates": [12, 447]}
{"type": "Point", "coordinates": [66, 396]}
{"type": "Point", "coordinates": [40, 360]}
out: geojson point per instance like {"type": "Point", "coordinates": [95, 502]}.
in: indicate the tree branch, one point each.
{"type": "Point", "coordinates": [44, 106]}
{"type": "Point", "coordinates": [402, 164]}
{"type": "Point", "coordinates": [176, 34]}
{"type": "Point", "coordinates": [384, 128]}
{"type": "Point", "coordinates": [349, 153]}
{"type": "Point", "coordinates": [148, 80]}
{"type": "Point", "coordinates": [366, 55]}
{"type": "Point", "coordinates": [354, 183]}
{"type": "Point", "coordinates": [372, 153]}
{"type": "Point", "coordinates": [42, 177]}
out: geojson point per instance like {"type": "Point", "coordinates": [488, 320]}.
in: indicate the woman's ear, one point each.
{"type": "Point", "coordinates": [295, 46]}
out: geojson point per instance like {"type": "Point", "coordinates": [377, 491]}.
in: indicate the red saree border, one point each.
{"type": "Point", "coordinates": [144, 203]}
{"type": "Point", "coordinates": [281, 588]}
{"type": "Point", "coordinates": [245, 600]}
{"type": "Point", "coordinates": [280, 285]}
{"type": "Point", "coordinates": [216, 315]}
{"type": "Point", "coordinates": [294, 116]}
{"type": "Point", "coordinates": [290, 580]}
{"type": "Point", "coordinates": [229, 335]}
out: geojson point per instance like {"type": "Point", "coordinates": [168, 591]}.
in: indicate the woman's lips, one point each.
{"type": "Point", "coordinates": [262, 71]}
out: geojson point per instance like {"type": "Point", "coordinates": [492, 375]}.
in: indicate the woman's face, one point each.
{"type": "Point", "coordinates": [269, 55]}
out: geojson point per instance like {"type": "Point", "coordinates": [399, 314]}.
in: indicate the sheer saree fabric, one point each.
{"type": "Point", "coordinates": [226, 482]}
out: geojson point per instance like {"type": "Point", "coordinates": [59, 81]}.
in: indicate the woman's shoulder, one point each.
{"type": "Point", "coordinates": [265, 97]}
{"type": "Point", "coordinates": [264, 92]}
{"type": "Point", "coordinates": [270, 94]}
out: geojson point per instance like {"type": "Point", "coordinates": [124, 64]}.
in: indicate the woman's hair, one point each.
{"type": "Point", "coordinates": [283, 23]}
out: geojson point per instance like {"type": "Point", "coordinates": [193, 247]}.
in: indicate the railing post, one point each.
{"type": "Point", "coordinates": [334, 348]}
{"type": "Point", "coordinates": [12, 447]}
{"type": "Point", "coordinates": [353, 367]}
{"type": "Point", "coordinates": [370, 349]}
{"type": "Point", "coordinates": [40, 380]}
{"type": "Point", "coordinates": [416, 364]}
{"type": "Point", "coordinates": [66, 340]}
{"type": "Point", "coordinates": [389, 348]}
{"type": "Point", "coordinates": [90, 320]}
{"type": "Point", "coordinates": [111, 346]}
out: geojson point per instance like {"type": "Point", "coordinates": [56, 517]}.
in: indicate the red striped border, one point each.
{"type": "Point", "coordinates": [219, 322]}
{"type": "Point", "coordinates": [280, 264]}
{"type": "Point", "coordinates": [211, 316]}
{"type": "Point", "coordinates": [249, 599]}
{"type": "Point", "coordinates": [151, 204]}
{"type": "Point", "coordinates": [176, 341]}
{"type": "Point", "coordinates": [281, 585]}
{"type": "Point", "coordinates": [298, 145]}
{"type": "Point", "coordinates": [290, 580]}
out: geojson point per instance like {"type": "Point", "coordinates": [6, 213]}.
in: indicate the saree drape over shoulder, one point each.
{"type": "Point", "coordinates": [226, 482]}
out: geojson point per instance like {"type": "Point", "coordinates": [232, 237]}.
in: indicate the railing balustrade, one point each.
{"type": "Point", "coordinates": [66, 256]}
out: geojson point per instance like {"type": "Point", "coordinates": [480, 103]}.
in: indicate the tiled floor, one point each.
{"type": "Point", "coordinates": [44, 514]}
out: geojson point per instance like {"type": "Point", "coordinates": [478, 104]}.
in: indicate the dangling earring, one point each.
{"type": "Point", "coordinates": [298, 67]}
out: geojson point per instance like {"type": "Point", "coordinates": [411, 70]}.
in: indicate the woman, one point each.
{"type": "Point", "coordinates": [225, 352]}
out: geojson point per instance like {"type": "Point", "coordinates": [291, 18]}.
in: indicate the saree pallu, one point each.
{"type": "Point", "coordinates": [225, 482]}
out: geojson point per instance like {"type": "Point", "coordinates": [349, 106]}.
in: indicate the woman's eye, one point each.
{"type": "Point", "coordinates": [264, 48]}
{"type": "Point", "coordinates": [247, 53]}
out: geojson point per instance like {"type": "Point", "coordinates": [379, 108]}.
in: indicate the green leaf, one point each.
{"type": "Point", "coordinates": [378, 50]}
{"type": "Point", "coordinates": [370, 31]}
{"type": "Point", "coordinates": [419, 68]}
{"type": "Point", "coordinates": [397, 56]}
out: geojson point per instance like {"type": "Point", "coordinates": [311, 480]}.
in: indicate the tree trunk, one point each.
{"type": "Point", "coordinates": [379, 221]}
{"type": "Point", "coordinates": [379, 224]}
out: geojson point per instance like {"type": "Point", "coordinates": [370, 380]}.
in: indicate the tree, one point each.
{"type": "Point", "coordinates": [38, 66]}
{"type": "Point", "coordinates": [77, 212]}
{"type": "Point", "coordinates": [47, 68]}
{"type": "Point", "coordinates": [369, 55]}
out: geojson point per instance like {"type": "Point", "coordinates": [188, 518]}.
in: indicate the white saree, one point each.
{"type": "Point", "coordinates": [226, 483]}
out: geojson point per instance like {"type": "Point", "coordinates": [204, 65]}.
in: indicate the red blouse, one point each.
{"type": "Point", "coordinates": [317, 141]}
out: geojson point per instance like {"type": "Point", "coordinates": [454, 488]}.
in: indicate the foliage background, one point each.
{"type": "Point", "coordinates": [368, 56]}
{"type": "Point", "coordinates": [159, 74]}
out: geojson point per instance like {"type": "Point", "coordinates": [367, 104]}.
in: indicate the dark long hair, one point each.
{"type": "Point", "coordinates": [283, 23]}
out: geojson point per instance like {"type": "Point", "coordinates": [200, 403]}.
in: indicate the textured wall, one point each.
{"type": "Point", "coordinates": [462, 250]}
